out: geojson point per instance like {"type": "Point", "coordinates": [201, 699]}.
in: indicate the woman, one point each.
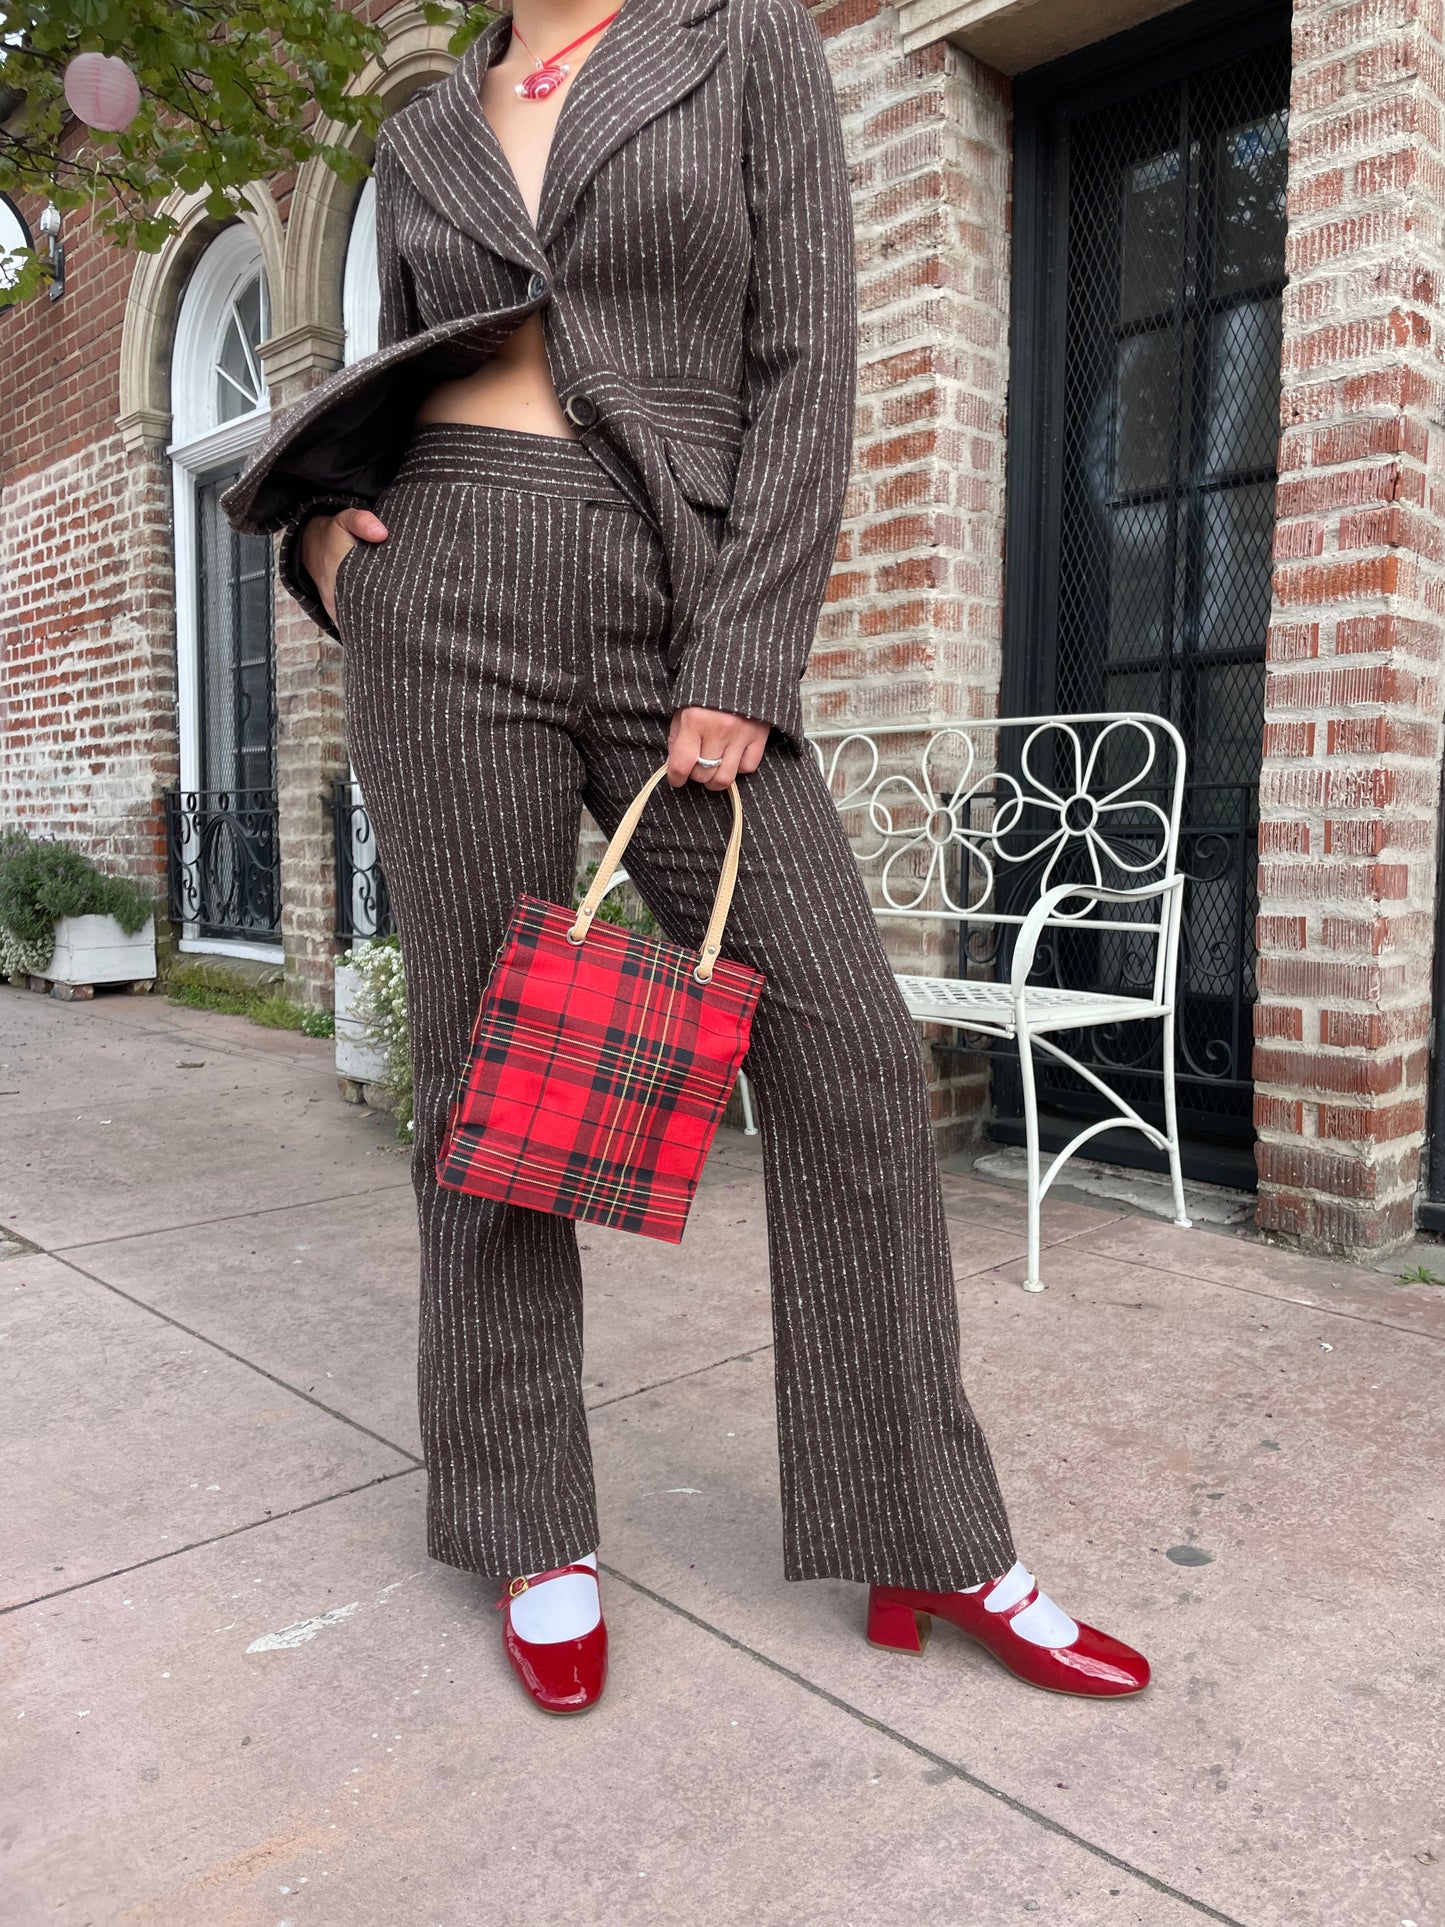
{"type": "Point", "coordinates": [577, 515]}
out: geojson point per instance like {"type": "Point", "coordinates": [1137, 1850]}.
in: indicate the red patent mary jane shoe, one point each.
{"type": "Point", "coordinates": [562, 1676]}
{"type": "Point", "coordinates": [1095, 1665]}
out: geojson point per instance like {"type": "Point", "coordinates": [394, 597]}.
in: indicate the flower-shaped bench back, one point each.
{"type": "Point", "coordinates": [977, 821]}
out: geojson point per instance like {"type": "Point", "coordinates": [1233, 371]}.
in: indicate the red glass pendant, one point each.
{"type": "Point", "coordinates": [546, 80]}
{"type": "Point", "coordinates": [551, 73]}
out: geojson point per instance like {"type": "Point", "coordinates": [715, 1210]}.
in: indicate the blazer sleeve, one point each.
{"type": "Point", "coordinates": [749, 643]}
{"type": "Point", "coordinates": [398, 319]}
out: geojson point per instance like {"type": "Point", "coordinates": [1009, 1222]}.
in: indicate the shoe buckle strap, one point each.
{"type": "Point", "coordinates": [522, 1583]}
{"type": "Point", "coordinates": [1019, 1605]}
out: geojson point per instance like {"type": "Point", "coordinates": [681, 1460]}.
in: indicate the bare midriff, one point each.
{"type": "Point", "coordinates": [513, 388]}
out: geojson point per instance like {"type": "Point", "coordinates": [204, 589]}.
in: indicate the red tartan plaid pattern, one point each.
{"type": "Point", "coordinates": [597, 1074]}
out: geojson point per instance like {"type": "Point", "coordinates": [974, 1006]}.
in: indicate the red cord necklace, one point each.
{"type": "Point", "coordinates": [551, 73]}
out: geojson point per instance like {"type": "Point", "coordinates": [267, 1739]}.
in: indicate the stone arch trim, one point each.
{"type": "Point", "coordinates": [148, 331]}
{"type": "Point", "coordinates": [309, 336]}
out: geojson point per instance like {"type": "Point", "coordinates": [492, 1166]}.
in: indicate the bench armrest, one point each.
{"type": "Point", "coordinates": [1033, 924]}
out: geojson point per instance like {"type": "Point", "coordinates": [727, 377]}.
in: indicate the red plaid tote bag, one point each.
{"type": "Point", "coordinates": [600, 1061]}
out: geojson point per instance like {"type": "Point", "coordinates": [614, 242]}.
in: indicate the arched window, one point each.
{"type": "Point", "coordinates": [224, 828]}
{"type": "Point", "coordinates": [216, 374]}
{"type": "Point", "coordinates": [360, 288]}
{"type": "Point", "coordinates": [240, 384]}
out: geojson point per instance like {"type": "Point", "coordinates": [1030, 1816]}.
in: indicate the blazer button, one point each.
{"type": "Point", "coordinates": [582, 410]}
{"type": "Point", "coordinates": [536, 287]}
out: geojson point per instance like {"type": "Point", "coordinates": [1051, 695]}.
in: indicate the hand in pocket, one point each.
{"type": "Point", "coordinates": [327, 539]}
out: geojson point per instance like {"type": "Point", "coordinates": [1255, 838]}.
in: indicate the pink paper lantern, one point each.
{"type": "Point", "coordinates": [102, 91]}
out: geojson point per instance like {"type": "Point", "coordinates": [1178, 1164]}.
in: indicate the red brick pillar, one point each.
{"type": "Point", "coordinates": [1351, 778]}
{"type": "Point", "coordinates": [913, 623]}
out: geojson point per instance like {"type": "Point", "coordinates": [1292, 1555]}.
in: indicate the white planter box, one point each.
{"type": "Point", "coordinates": [356, 1056]}
{"type": "Point", "coordinates": [95, 950]}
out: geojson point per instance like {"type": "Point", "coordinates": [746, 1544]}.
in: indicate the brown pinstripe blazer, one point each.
{"type": "Point", "coordinates": [694, 263]}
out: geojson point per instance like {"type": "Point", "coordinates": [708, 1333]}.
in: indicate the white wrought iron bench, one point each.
{"type": "Point", "coordinates": [1058, 838]}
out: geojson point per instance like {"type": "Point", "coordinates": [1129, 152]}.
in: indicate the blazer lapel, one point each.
{"type": "Point", "coordinates": [446, 144]}
{"type": "Point", "coordinates": [653, 53]}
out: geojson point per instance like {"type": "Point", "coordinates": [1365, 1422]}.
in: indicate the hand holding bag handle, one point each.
{"type": "Point", "coordinates": [613, 854]}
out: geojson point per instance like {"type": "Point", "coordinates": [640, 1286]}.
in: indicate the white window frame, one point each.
{"type": "Point", "coordinates": [361, 319]}
{"type": "Point", "coordinates": [360, 280]}
{"type": "Point", "coordinates": [199, 449]}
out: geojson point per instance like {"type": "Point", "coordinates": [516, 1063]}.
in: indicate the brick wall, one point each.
{"type": "Point", "coordinates": [87, 672]}
{"type": "Point", "coordinates": [1351, 779]}
{"type": "Point", "coordinates": [913, 620]}
{"type": "Point", "coordinates": [62, 358]}
{"type": "Point", "coordinates": [87, 669]}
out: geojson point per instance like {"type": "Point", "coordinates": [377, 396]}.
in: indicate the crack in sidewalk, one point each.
{"type": "Point", "coordinates": [697, 1371]}
{"type": "Point", "coordinates": [1274, 1297]}
{"type": "Point", "coordinates": [225, 1217]}
{"type": "Point", "coordinates": [237, 1358]}
{"type": "Point", "coordinates": [198, 1545]}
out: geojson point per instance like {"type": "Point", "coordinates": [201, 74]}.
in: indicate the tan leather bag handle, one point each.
{"type": "Point", "coordinates": [613, 854]}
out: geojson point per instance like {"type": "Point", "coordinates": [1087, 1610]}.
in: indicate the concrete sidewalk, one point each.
{"type": "Point", "coordinates": [237, 1694]}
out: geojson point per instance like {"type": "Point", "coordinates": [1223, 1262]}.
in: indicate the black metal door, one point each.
{"type": "Point", "coordinates": [1145, 411]}
{"type": "Point", "coordinates": [237, 650]}
{"type": "Point", "coordinates": [224, 836]}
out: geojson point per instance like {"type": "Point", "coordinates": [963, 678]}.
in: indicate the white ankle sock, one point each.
{"type": "Point", "coordinates": [562, 1608]}
{"type": "Point", "coordinates": [1041, 1624]}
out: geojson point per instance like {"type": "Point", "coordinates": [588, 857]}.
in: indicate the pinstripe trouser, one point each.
{"type": "Point", "coordinates": [502, 666]}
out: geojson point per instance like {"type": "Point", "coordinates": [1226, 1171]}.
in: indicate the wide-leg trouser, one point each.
{"type": "Point", "coordinates": [503, 665]}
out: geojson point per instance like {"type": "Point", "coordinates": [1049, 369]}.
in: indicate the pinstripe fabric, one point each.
{"type": "Point", "coordinates": [504, 663]}
{"type": "Point", "coordinates": [693, 262]}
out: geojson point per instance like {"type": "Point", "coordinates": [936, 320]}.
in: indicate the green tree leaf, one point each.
{"type": "Point", "coordinates": [232, 92]}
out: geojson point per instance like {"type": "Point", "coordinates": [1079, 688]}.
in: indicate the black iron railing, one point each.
{"type": "Point", "coordinates": [363, 904]}
{"type": "Point", "coordinates": [223, 862]}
